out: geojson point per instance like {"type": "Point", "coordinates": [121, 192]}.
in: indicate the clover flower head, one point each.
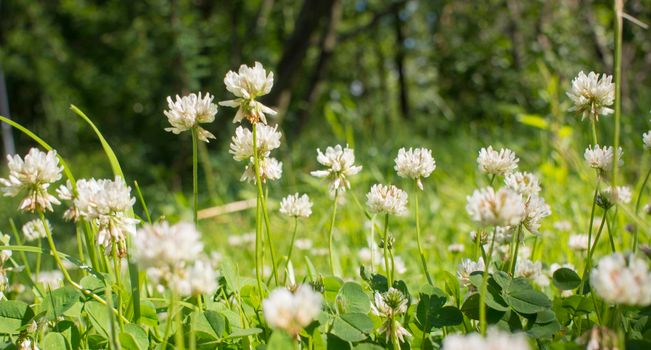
{"type": "Point", "coordinates": [296, 205]}
{"type": "Point", "coordinates": [592, 95]}
{"type": "Point", "coordinates": [270, 169]}
{"type": "Point", "coordinates": [622, 279]}
{"type": "Point", "coordinates": [248, 84]}
{"type": "Point", "coordinates": [415, 164]}
{"type": "Point", "coordinates": [601, 158]}
{"type": "Point", "coordinates": [383, 199]}
{"type": "Point", "coordinates": [187, 112]}
{"type": "Point", "coordinates": [340, 165]}
{"type": "Point", "coordinates": [291, 312]}
{"type": "Point", "coordinates": [390, 305]}
{"type": "Point", "coordinates": [32, 176]}
{"type": "Point", "coordinates": [490, 208]}
{"type": "Point", "coordinates": [35, 229]}
{"type": "Point", "coordinates": [494, 340]}
{"type": "Point", "coordinates": [524, 183]}
{"type": "Point", "coordinates": [497, 163]}
{"type": "Point", "coordinates": [267, 139]}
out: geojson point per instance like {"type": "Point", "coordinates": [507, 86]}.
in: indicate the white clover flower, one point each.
{"type": "Point", "coordinates": [535, 210]}
{"type": "Point", "coordinates": [296, 205]}
{"type": "Point", "coordinates": [523, 183]}
{"type": "Point", "coordinates": [610, 196]}
{"type": "Point", "coordinates": [66, 192]}
{"type": "Point", "coordinates": [270, 169]}
{"type": "Point", "coordinates": [466, 268]}
{"type": "Point", "coordinates": [415, 164]}
{"type": "Point", "coordinates": [4, 254]}
{"type": "Point", "coordinates": [646, 139]}
{"type": "Point", "coordinates": [390, 305]}
{"type": "Point", "coordinates": [600, 338]}
{"type": "Point", "coordinates": [304, 244]}
{"type": "Point", "coordinates": [366, 256]}
{"type": "Point", "coordinates": [162, 244]}
{"type": "Point", "coordinates": [340, 164]}
{"type": "Point", "coordinates": [497, 163]}
{"type": "Point", "coordinates": [622, 279]}
{"type": "Point", "coordinates": [532, 271]}
{"type": "Point", "coordinates": [592, 95]}
{"type": "Point", "coordinates": [601, 158]}
{"type": "Point", "coordinates": [292, 312]}
{"type": "Point", "coordinates": [267, 139]}
{"type": "Point", "coordinates": [34, 230]}
{"type": "Point", "coordinates": [579, 242]}
{"type": "Point", "coordinates": [32, 175]}
{"type": "Point", "coordinates": [27, 344]}
{"type": "Point", "coordinates": [502, 208]}
{"type": "Point", "coordinates": [248, 84]}
{"type": "Point", "coordinates": [50, 279]}
{"type": "Point", "coordinates": [494, 340]}
{"type": "Point", "coordinates": [197, 279]}
{"type": "Point", "coordinates": [399, 265]}
{"type": "Point", "coordinates": [107, 203]}
{"type": "Point", "coordinates": [456, 248]}
{"type": "Point", "coordinates": [188, 112]}
{"type": "Point", "coordinates": [239, 240]}
{"type": "Point", "coordinates": [382, 199]}
{"type": "Point", "coordinates": [562, 225]}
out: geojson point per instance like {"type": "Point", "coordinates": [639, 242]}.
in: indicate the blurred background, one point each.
{"type": "Point", "coordinates": [379, 75]}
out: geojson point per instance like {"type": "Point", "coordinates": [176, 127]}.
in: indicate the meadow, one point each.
{"type": "Point", "coordinates": [362, 233]}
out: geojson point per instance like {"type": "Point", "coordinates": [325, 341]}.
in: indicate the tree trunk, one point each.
{"type": "Point", "coordinates": [327, 44]}
{"type": "Point", "coordinates": [295, 49]}
{"type": "Point", "coordinates": [400, 64]}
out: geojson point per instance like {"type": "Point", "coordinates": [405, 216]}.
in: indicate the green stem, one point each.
{"type": "Point", "coordinates": [638, 201]}
{"type": "Point", "coordinates": [195, 177]}
{"type": "Point", "coordinates": [141, 198]}
{"type": "Point", "coordinates": [592, 215]}
{"type": "Point", "coordinates": [261, 200]}
{"type": "Point", "coordinates": [593, 123]}
{"type": "Point", "coordinates": [514, 257]}
{"type": "Point", "coordinates": [484, 287]}
{"type": "Point", "coordinates": [591, 249]}
{"type": "Point", "coordinates": [385, 246]}
{"type": "Point", "coordinates": [330, 233]}
{"type": "Point", "coordinates": [118, 283]}
{"type": "Point", "coordinates": [420, 247]}
{"type": "Point", "coordinates": [168, 323]}
{"type": "Point", "coordinates": [272, 250]}
{"type": "Point", "coordinates": [618, 8]}
{"type": "Point", "coordinates": [258, 248]}
{"type": "Point", "coordinates": [291, 248]}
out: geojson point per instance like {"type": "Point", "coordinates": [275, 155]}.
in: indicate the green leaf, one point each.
{"type": "Point", "coordinates": [134, 338]}
{"type": "Point", "coordinates": [240, 333]}
{"type": "Point", "coordinates": [54, 341]}
{"type": "Point", "coordinates": [431, 301]}
{"type": "Point", "coordinates": [366, 346]}
{"type": "Point", "coordinates": [229, 271]}
{"type": "Point", "coordinates": [331, 286]}
{"type": "Point", "coordinates": [148, 315]}
{"type": "Point", "coordinates": [448, 316]}
{"type": "Point", "coordinates": [352, 327]}
{"type": "Point", "coordinates": [280, 341]}
{"type": "Point", "coordinates": [566, 279]}
{"type": "Point", "coordinates": [471, 309]}
{"type": "Point", "coordinates": [527, 301]}
{"type": "Point", "coordinates": [13, 315]}
{"type": "Point", "coordinates": [216, 321]}
{"type": "Point", "coordinates": [69, 331]}
{"type": "Point", "coordinates": [353, 298]}
{"type": "Point", "coordinates": [99, 318]}
{"type": "Point", "coordinates": [59, 301]}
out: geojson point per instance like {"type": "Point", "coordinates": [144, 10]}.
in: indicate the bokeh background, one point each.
{"type": "Point", "coordinates": [453, 76]}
